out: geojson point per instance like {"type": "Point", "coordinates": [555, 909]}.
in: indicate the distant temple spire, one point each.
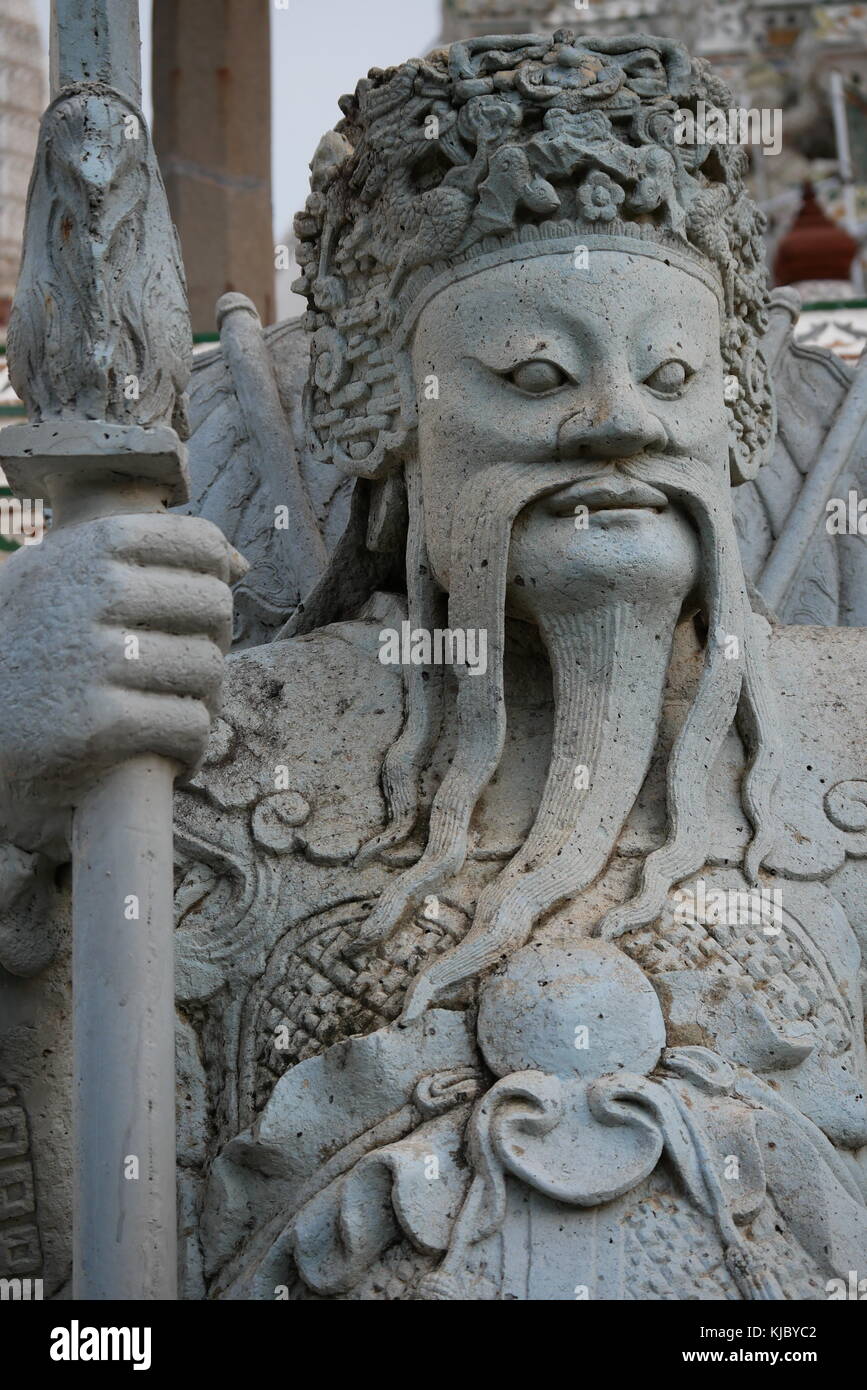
{"type": "Point", "coordinates": [815, 248]}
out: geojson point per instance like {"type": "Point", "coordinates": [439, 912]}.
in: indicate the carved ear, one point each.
{"type": "Point", "coordinates": [365, 433]}
{"type": "Point", "coordinates": [752, 414]}
{"type": "Point", "coordinates": [783, 308]}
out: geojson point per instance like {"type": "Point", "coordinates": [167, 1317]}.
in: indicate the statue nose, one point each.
{"type": "Point", "coordinates": [616, 425]}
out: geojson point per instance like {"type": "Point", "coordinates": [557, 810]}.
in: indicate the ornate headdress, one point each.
{"type": "Point", "coordinates": [500, 149]}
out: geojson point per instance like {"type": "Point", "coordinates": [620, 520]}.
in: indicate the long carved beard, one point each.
{"type": "Point", "coordinates": [612, 694]}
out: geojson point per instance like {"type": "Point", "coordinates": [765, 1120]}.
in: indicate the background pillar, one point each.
{"type": "Point", "coordinates": [212, 134]}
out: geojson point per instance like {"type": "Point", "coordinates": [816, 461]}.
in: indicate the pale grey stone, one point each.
{"type": "Point", "coordinates": [484, 980]}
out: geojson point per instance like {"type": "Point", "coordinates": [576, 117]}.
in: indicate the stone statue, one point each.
{"type": "Point", "coordinates": [519, 881]}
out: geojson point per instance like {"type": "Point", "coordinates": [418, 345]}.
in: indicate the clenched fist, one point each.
{"type": "Point", "coordinates": [112, 635]}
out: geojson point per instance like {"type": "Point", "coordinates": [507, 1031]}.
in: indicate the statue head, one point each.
{"type": "Point", "coordinates": [536, 316]}
{"type": "Point", "coordinates": [494, 152]}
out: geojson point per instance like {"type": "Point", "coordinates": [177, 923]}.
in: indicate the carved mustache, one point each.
{"type": "Point", "coordinates": [645, 481]}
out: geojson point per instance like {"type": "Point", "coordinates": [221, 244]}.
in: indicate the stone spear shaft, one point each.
{"type": "Point", "coordinates": [100, 351]}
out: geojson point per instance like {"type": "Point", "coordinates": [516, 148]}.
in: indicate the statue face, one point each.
{"type": "Point", "coordinates": [538, 361]}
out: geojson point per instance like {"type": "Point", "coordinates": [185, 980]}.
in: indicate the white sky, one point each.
{"type": "Point", "coordinates": [319, 50]}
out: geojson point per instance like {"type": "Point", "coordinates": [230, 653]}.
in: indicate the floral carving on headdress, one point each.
{"type": "Point", "coordinates": [599, 197]}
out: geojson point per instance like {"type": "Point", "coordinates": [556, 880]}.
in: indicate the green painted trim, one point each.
{"type": "Point", "coordinates": [826, 304]}
{"type": "Point", "coordinates": [197, 338]}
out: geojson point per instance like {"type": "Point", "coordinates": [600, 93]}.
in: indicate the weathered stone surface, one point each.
{"type": "Point", "coordinates": [535, 976]}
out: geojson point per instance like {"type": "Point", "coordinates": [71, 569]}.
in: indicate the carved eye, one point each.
{"type": "Point", "coordinates": [537, 377]}
{"type": "Point", "coordinates": [669, 379]}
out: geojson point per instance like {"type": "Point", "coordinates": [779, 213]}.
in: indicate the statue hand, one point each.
{"type": "Point", "coordinates": [111, 645]}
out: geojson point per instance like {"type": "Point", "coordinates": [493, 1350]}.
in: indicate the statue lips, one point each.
{"type": "Point", "coordinates": [610, 492]}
